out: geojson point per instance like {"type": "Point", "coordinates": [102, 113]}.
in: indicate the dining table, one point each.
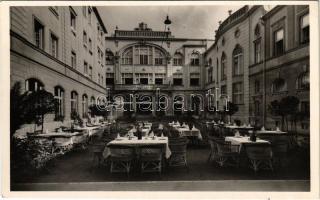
{"type": "Point", "coordinates": [240, 140]}
{"type": "Point", "coordinates": [136, 143]}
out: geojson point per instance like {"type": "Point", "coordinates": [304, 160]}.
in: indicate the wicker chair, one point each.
{"type": "Point", "coordinates": [213, 147]}
{"type": "Point", "coordinates": [97, 151]}
{"type": "Point", "coordinates": [279, 152]}
{"type": "Point", "coordinates": [260, 155]}
{"type": "Point", "coordinates": [151, 158]}
{"type": "Point", "coordinates": [178, 147]}
{"type": "Point", "coordinates": [227, 154]}
{"type": "Point", "coordinates": [121, 158]}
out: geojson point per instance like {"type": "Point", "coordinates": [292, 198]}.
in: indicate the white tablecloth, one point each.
{"type": "Point", "coordinates": [136, 143]}
{"type": "Point", "coordinates": [90, 130]}
{"type": "Point", "coordinates": [187, 132]}
{"type": "Point", "coordinates": [241, 140]}
{"type": "Point", "coordinates": [270, 132]}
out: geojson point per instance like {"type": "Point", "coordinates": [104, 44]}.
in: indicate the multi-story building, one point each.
{"type": "Point", "coordinates": [285, 69]}
{"type": "Point", "coordinates": [143, 61]}
{"type": "Point", "coordinates": [229, 58]}
{"type": "Point", "coordinates": [259, 57]}
{"type": "Point", "coordinates": [60, 49]}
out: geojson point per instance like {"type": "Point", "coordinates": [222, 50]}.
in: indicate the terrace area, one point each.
{"type": "Point", "coordinates": [79, 166]}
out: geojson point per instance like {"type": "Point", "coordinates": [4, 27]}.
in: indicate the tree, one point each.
{"type": "Point", "coordinates": [17, 108]}
{"type": "Point", "coordinates": [285, 107]}
{"type": "Point", "coordinates": [232, 109]}
{"type": "Point", "coordinates": [37, 105]}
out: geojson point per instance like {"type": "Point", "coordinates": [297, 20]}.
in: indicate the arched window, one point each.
{"type": "Point", "coordinates": [59, 96]}
{"type": "Point", "coordinates": [223, 66]}
{"type": "Point", "coordinates": [33, 85]}
{"type": "Point", "coordinates": [195, 60]}
{"type": "Point", "coordinates": [92, 101]}
{"type": "Point", "coordinates": [143, 55]}
{"type": "Point", "coordinates": [279, 85]}
{"type": "Point", "coordinates": [159, 57]}
{"type": "Point", "coordinates": [303, 81]}
{"type": "Point", "coordinates": [177, 59]}
{"type": "Point", "coordinates": [109, 58]}
{"type": "Point", "coordinates": [74, 101]}
{"type": "Point", "coordinates": [127, 57]}
{"type": "Point", "coordinates": [84, 105]}
{"type": "Point", "coordinates": [237, 61]}
{"type": "Point", "coordinates": [257, 31]}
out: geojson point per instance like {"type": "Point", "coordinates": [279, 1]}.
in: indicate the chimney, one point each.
{"type": "Point", "coordinates": [220, 22]}
{"type": "Point", "coordinates": [230, 12]}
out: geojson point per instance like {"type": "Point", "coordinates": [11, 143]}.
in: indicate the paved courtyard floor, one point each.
{"type": "Point", "coordinates": [77, 167]}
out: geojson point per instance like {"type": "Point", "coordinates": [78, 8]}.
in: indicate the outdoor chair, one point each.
{"type": "Point", "coordinates": [227, 154]}
{"type": "Point", "coordinates": [151, 158]}
{"type": "Point", "coordinates": [213, 147]}
{"type": "Point", "coordinates": [279, 152]}
{"type": "Point", "coordinates": [259, 155]}
{"type": "Point", "coordinates": [178, 147]}
{"type": "Point", "coordinates": [121, 158]}
{"type": "Point", "coordinates": [97, 153]}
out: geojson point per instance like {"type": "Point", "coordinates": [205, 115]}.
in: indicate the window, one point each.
{"type": "Point", "coordinates": [177, 79]}
{"type": "Point", "coordinates": [90, 72]}
{"type": "Point", "coordinates": [39, 34]}
{"type": "Point", "coordinates": [194, 79]}
{"type": "Point", "coordinates": [33, 85]}
{"type": "Point", "coordinates": [73, 20]}
{"type": "Point", "coordinates": [109, 78]}
{"type": "Point", "coordinates": [143, 78]}
{"type": "Point", "coordinates": [126, 57]}
{"type": "Point", "coordinates": [99, 77]}
{"type": "Point", "coordinates": [90, 46]}
{"type": "Point", "coordinates": [59, 96]}
{"type": "Point", "coordinates": [92, 100]}
{"type": "Point", "coordinates": [73, 59]}
{"type": "Point", "coordinates": [278, 42]}
{"type": "Point", "coordinates": [177, 59]}
{"type": "Point", "coordinates": [85, 39]}
{"type": "Point", "coordinates": [257, 51]}
{"type": "Point", "coordinates": [85, 68]}
{"type": "Point", "coordinates": [223, 90]}
{"type": "Point", "coordinates": [84, 105]}
{"type": "Point", "coordinates": [158, 57]}
{"type": "Point", "coordinates": [54, 45]}
{"type": "Point", "coordinates": [237, 33]}
{"type": "Point", "coordinates": [237, 61]}
{"type": "Point", "coordinates": [99, 54]}
{"type": "Point", "coordinates": [223, 67]}
{"type": "Point", "coordinates": [210, 62]}
{"type": "Point", "coordinates": [257, 31]}
{"type": "Point", "coordinates": [195, 61]}
{"type": "Point", "coordinates": [303, 82]}
{"type": "Point", "coordinates": [143, 55]}
{"type": "Point", "coordinates": [74, 101]}
{"type": "Point", "coordinates": [159, 79]}
{"type": "Point", "coordinates": [304, 29]}
{"type": "Point", "coordinates": [256, 86]}
{"type": "Point", "coordinates": [109, 58]}
{"type": "Point", "coordinates": [279, 85]}
{"type": "Point", "coordinates": [237, 93]}
{"type": "Point", "coordinates": [127, 78]}
{"type": "Point", "coordinates": [210, 78]}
